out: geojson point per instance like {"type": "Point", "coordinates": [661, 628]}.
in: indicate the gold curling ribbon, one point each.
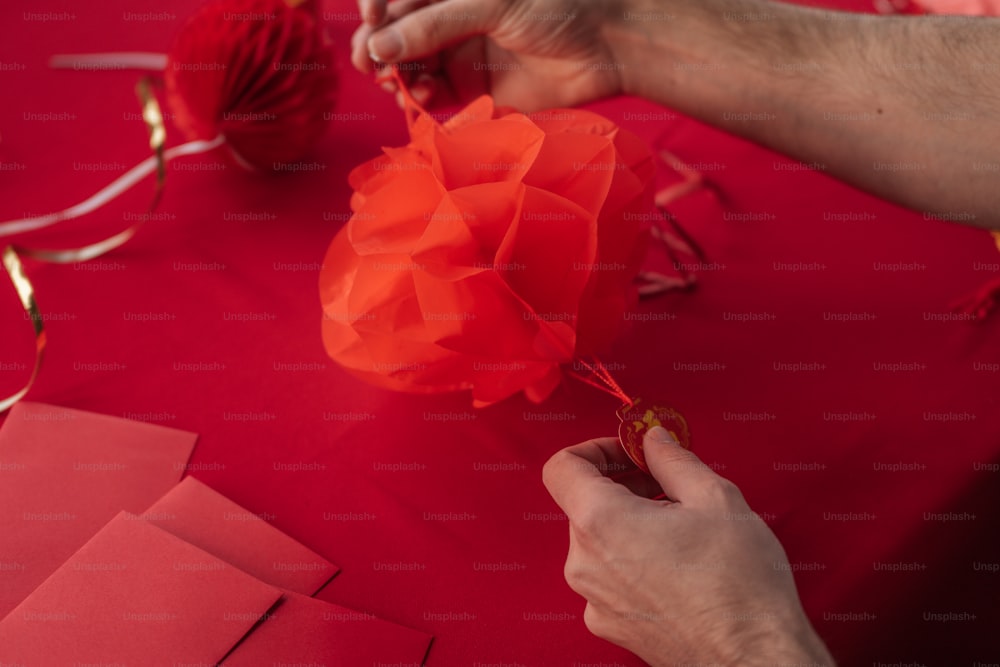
{"type": "Point", "coordinates": [26, 293]}
{"type": "Point", "coordinates": [12, 254]}
{"type": "Point", "coordinates": [153, 117]}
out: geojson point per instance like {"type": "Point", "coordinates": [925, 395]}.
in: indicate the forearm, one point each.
{"type": "Point", "coordinates": [906, 108]}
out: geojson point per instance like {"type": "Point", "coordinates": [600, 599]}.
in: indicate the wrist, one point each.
{"type": "Point", "coordinates": [766, 639]}
{"type": "Point", "coordinates": [706, 57]}
{"type": "Point", "coordinates": [662, 43]}
{"type": "Point", "coordinates": [793, 642]}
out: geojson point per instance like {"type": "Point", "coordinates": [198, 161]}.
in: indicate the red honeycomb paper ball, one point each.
{"type": "Point", "coordinates": [259, 72]}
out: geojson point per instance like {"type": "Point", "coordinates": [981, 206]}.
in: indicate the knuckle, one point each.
{"type": "Point", "coordinates": [575, 574]}
{"type": "Point", "coordinates": [722, 491]}
{"type": "Point", "coordinates": [590, 520]}
{"type": "Point", "coordinates": [596, 622]}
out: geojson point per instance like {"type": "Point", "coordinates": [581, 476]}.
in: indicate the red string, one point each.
{"type": "Point", "coordinates": [411, 107]}
{"type": "Point", "coordinates": [982, 302]}
{"type": "Point", "coordinates": [601, 378]}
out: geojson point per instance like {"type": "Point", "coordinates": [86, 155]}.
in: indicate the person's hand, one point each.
{"type": "Point", "coordinates": [696, 579]}
{"type": "Point", "coordinates": [529, 54]}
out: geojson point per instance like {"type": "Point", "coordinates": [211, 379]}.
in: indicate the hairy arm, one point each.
{"type": "Point", "coordinates": [906, 108]}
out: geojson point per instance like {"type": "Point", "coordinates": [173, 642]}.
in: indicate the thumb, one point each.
{"type": "Point", "coordinates": [426, 31]}
{"type": "Point", "coordinates": [679, 472]}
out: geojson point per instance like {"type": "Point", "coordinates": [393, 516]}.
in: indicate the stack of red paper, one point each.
{"type": "Point", "coordinates": [106, 559]}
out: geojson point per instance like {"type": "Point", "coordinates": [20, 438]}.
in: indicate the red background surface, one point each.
{"type": "Point", "coordinates": [404, 492]}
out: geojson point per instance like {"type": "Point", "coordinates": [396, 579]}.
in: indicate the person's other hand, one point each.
{"type": "Point", "coordinates": [695, 579]}
{"type": "Point", "coordinates": [529, 54]}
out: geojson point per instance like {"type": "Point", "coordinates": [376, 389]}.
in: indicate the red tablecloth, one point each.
{"type": "Point", "coordinates": [815, 363]}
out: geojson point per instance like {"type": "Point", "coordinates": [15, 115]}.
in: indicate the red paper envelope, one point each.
{"type": "Point", "coordinates": [63, 475]}
{"type": "Point", "coordinates": [305, 631]}
{"type": "Point", "coordinates": [210, 521]}
{"type": "Point", "coordinates": [135, 595]}
{"type": "Point", "coordinates": [300, 630]}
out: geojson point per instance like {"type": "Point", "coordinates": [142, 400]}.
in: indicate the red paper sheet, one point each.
{"type": "Point", "coordinates": [300, 630]}
{"type": "Point", "coordinates": [210, 521]}
{"type": "Point", "coordinates": [135, 595]}
{"type": "Point", "coordinates": [63, 475]}
{"type": "Point", "coordinates": [306, 631]}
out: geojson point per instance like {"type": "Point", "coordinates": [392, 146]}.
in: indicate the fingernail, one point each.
{"type": "Point", "coordinates": [385, 45]}
{"type": "Point", "coordinates": [660, 434]}
{"type": "Point", "coordinates": [389, 86]}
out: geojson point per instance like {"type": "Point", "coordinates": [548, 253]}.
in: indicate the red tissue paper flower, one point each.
{"type": "Point", "coordinates": [259, 72]}
{"type": "Point", "coordinates": [488, 252]}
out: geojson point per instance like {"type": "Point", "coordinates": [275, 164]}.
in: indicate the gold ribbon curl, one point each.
{"type": "Point", "coordinates": [12, 255]}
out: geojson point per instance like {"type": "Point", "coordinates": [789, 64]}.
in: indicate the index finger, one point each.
{"type": "Point", "coordinates": [575, 476]}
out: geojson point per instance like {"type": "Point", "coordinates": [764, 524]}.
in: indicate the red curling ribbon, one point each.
{"type": "Point", "coordinates": [980, 303]}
